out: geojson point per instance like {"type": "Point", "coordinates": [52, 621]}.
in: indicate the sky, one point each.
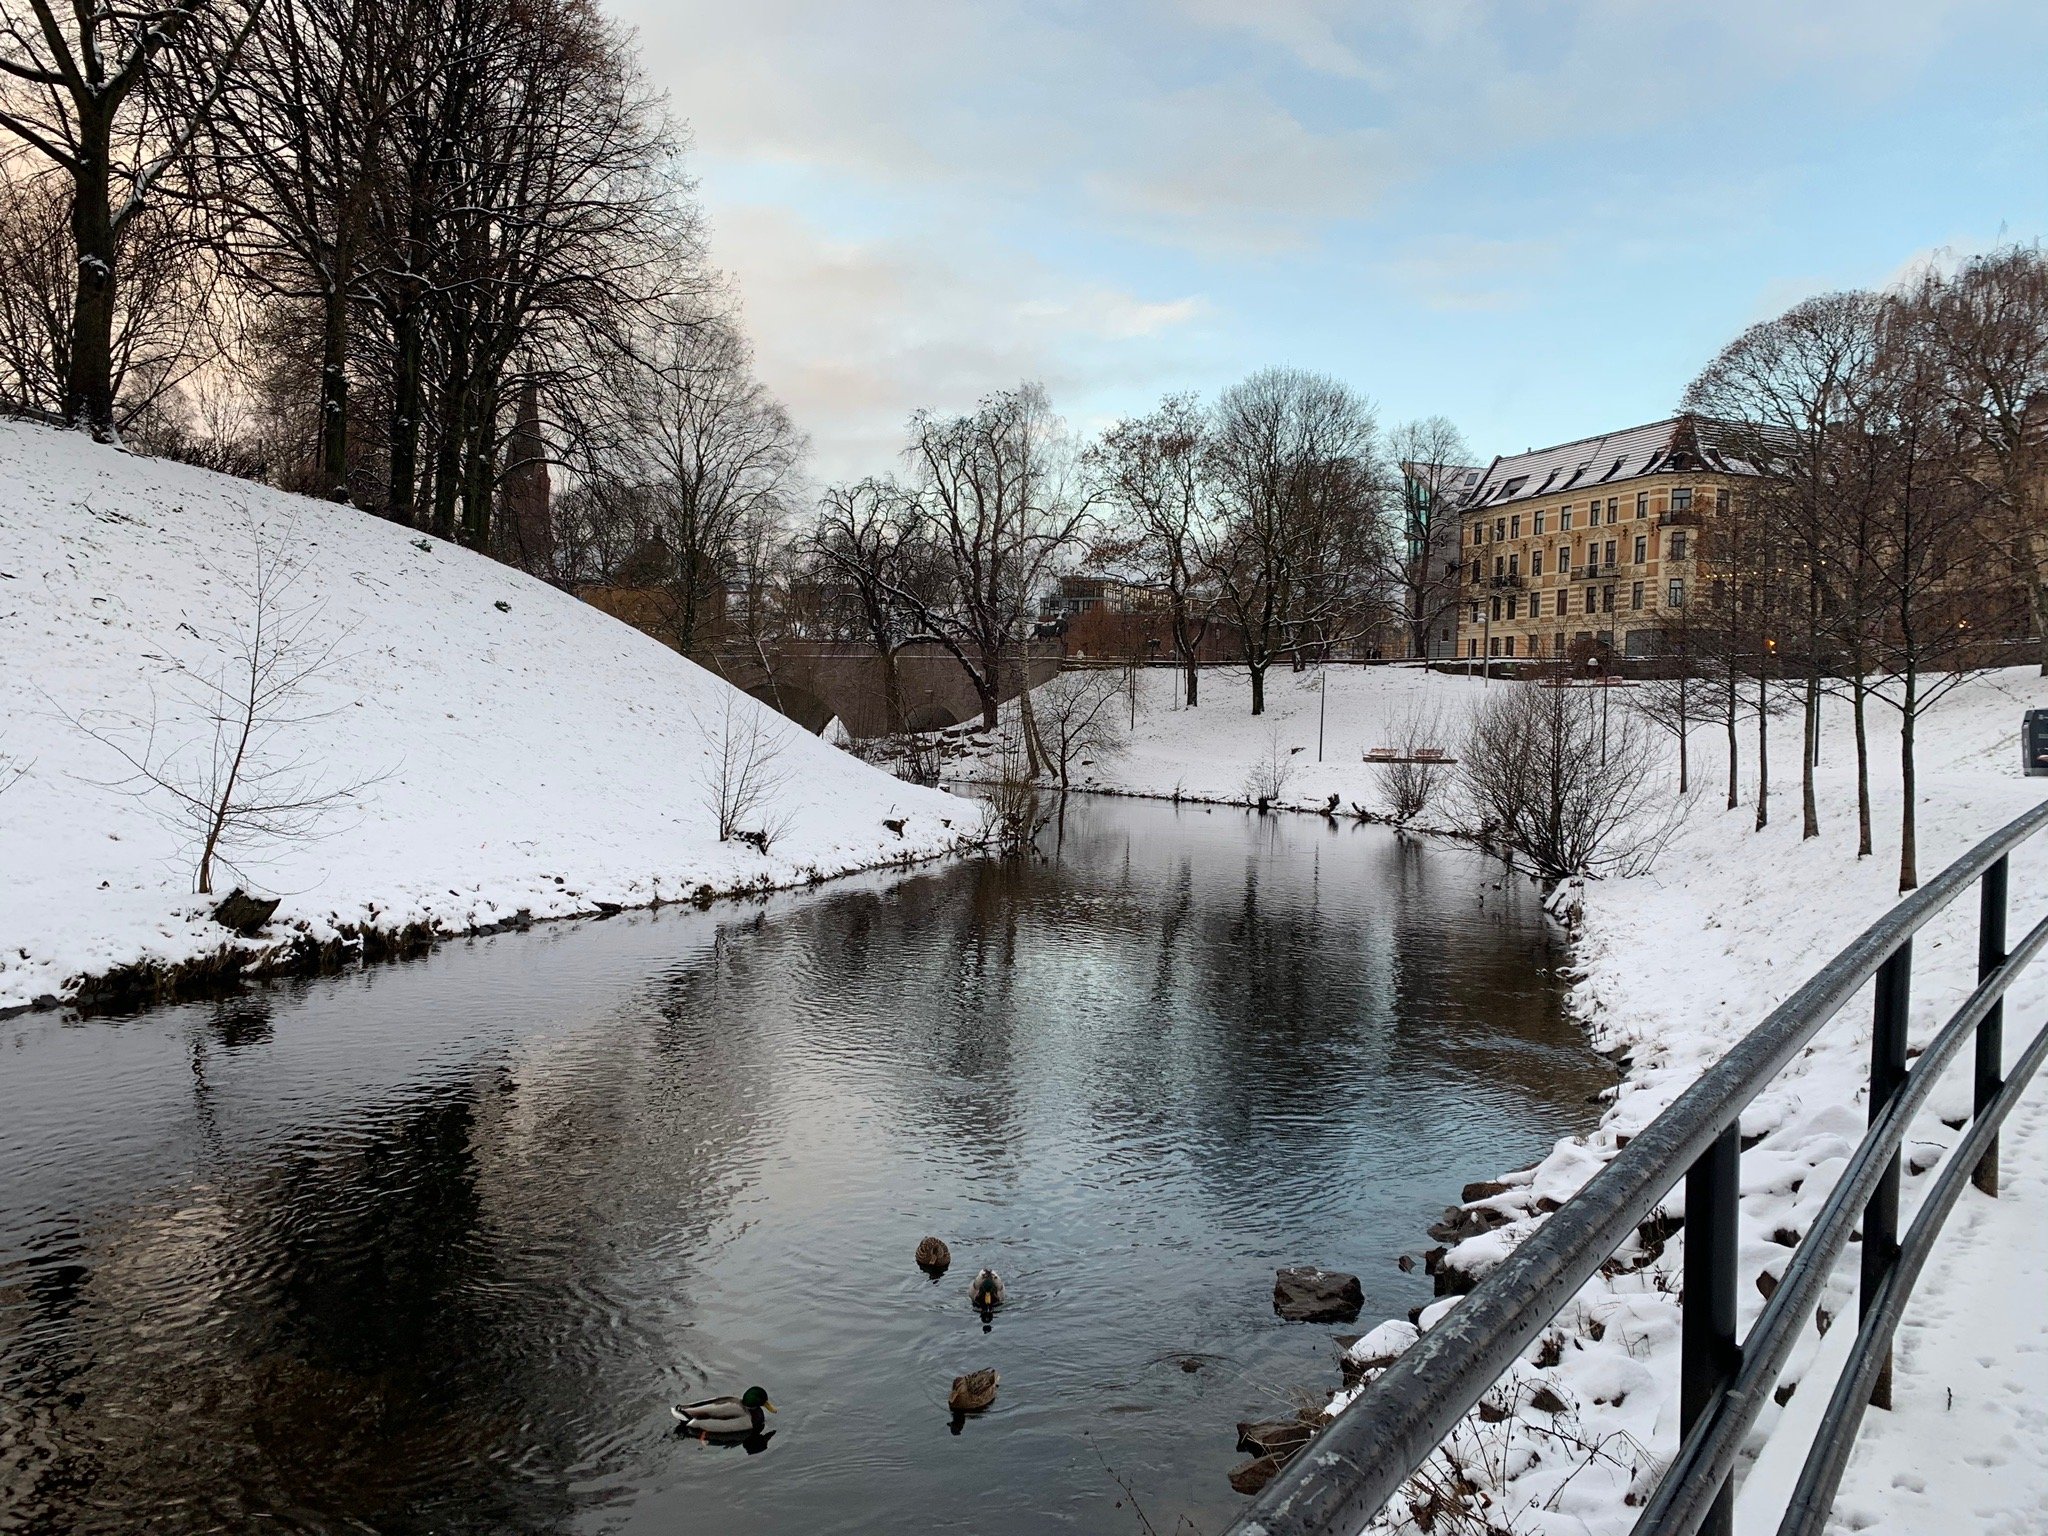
{"type": "Point", "coordinates": [1537, 217]}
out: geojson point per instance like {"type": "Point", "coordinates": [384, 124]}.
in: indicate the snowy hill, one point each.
{"type": "Point", "coordinates": [487, 745]}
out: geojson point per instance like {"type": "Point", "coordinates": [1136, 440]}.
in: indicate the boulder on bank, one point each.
{"type": "Point", "coordinates": [1311, 1295]}
{"type": "Point", "coordinates": [242, 913]}
{"type": "Point", "coordinates": [1277, 1437]}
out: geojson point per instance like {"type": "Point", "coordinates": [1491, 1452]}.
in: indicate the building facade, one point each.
{"type": "Point", "coordinates": [1593, 547]}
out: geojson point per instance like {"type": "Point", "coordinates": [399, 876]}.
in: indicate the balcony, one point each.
{"type": "Point", "coordinates": [1690, 518]}
{"type": "Point", "coordinates": [1597, 573]}
{"type": "Point", "coordinates": [1509, 582]}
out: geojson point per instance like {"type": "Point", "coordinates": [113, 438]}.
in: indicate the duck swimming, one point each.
{"type": "Point", "coordinates": [725, 1415]}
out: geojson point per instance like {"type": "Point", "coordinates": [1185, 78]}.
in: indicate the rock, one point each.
{"type": "Point", "coordinates": [1310, 1295]}
{"type": "Point", "coordinates": [973, 1392]}
{"type": "Point", "coordinates": [1453, 1281]}
{"type": "Point", "coordinates": [1491, 1412]}
{"type": "Point", "coordinates": [1277, 1437]}
{"type": "Point", "coordinates": [1407, 1263]}
{"type": "Point", "coordinates": [894, 824]}
{"type": "Point", "coordinates": [1544, 1400]}
{"type": "Point", "coordinates": [1433, 1260]}
{"type": "Point", "coordinates": [1458, 1223]}
{"type": "Point", "coordinates": [933, 1256]}
{"type": "Point", "coordinates": [1485, 1189]}
{"type": "Point", "coordinates": [1767, 1283]}
{"type": "Point", "coordinates": [244, 913]}
{"type": "Point", "coordinates": [1254, 1475]}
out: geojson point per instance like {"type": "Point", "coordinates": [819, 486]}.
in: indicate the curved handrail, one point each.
{"type": "Point", "coordinates": [1355, 1465]}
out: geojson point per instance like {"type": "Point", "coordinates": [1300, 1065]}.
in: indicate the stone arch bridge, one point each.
{"type": "Point", "coordinates": [815, 682]}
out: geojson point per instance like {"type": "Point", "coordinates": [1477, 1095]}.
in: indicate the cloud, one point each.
{"type": "Point", "coordinates": [856, 334]}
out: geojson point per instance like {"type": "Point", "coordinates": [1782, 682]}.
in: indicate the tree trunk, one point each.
{"type": "Point", "coordinates": [1734, 743]}
{"type": "Point", "coordinates": [1763, 750]}
{"type": "Point", "coordinates": [479, 462]}
{"type": "Point", "coordinates": [2041, 621]}
{"type": "Point", "coordinates": [401, 497]}
{"type": "Point", "coordinates": [1909, 851]}
{"type": "Point", "coordinates": [1259, 688]}
{"type": "Point", "coordinates": [1809, 811]}
{"type": "Point", "coordinates": [89, 389]}
{"type": "Point", "coordinates": [1857, 696]}
{"type": "Point", "coordinates": [1684, 732]}
{"type": "Point", "coordinates": [334, 389]}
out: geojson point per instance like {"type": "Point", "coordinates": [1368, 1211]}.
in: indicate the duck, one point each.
{"type": "Point", "coordinates": [725, 1415]}
{"type": "Point", "coordinates": [933, 1257]}
{"type": "Point", "coordinates": [973, 1392]}
{"type": "Point", "coordinates": [987, 1292]}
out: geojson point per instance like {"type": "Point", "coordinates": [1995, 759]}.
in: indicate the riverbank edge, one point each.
{"type": "Point", "coordinates": [238, 962]}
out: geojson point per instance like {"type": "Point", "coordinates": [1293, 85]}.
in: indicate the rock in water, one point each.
{"type": "Point", "coordinates": [933, 1256]}
{"type": "Point", "coordinates": [1310, 1295]}
{"type": "Point", "coordinates": [244, 913]}
{"type": "Point", "coordinates": [1279, 1437]}
{"type": "Point", "coordinates": [1254, 1475]}
{"type": "Point", "coordinates": [973, 1392]}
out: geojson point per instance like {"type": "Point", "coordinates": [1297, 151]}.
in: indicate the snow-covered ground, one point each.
{"type": "Point", "coordinates": [517, 752]}
{"type": "Point", "coordinates": [1674, 966]}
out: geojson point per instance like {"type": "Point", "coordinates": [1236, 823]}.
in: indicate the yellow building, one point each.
{"type": "Point", "coordinates": [1590, 546]}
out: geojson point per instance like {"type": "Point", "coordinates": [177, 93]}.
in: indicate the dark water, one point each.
{"type": "Point", "coordinates": [432, 1248]}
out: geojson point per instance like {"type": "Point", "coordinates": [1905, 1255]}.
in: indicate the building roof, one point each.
{"type": "Point", "coordinates": [1676, 445]}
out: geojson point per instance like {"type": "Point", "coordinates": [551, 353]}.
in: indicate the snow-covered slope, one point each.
{"type": "Point", "coordinates": [524, 752]}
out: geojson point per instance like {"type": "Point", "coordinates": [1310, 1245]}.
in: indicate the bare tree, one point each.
{"type": "Point", "coordinates": [83, 95]}
{"type": "Point", "coordinates": [1150, 471]}
{"type": "Point", "coordinates": [223, 768]}
{"type": "Point", "coordinates": [1988, 326]}
{"type": "Point", "coordinates": [1270, 773]}
{"type": "Point", "coordinates": [742, 774]}
{"type": "Point", "coordinates": [1414, 781]}
{"type": "Point", "coordinates": [1537, 782]}
{"type": "Point", "coordinates": [1784, 393]}
{"type": "Point", "coordinates": [1435, 465]}
{"type": "Point", "coordinates": [713, 450]}
{"type": "Point", "coordinates": [1300, 488]}
{"type": "Point", "coordinates": [996, 495]}
{"type": "Point", "coordinates": [1078, 718]}
{"type": "Point", "coordinates": [867, 542]}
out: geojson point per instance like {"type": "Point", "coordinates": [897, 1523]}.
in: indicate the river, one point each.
{"type": "Point", "coordinates": [434, 1246]}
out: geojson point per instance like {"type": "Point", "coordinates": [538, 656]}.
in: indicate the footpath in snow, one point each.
{"type": "Point", "coordinates": [515, 754]}
{"type": "Point", "coordinates": [1673, 967]}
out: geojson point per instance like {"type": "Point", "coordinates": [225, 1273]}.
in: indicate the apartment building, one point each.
{"type": "Point", "coordinates": [1592, 546]}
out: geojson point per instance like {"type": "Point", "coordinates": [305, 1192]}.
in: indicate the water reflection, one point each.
{"type": "Point", "coordinates": [433, 1248]}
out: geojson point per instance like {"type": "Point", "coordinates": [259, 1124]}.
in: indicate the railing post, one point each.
{"type": "Point", "coordinates": [1887, 1074]}
{"type": "Point", "coordinates": [1991, 1032]}
{"type": "Point", "coordinates": [1713, 1192]}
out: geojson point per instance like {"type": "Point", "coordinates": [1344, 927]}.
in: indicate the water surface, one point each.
{"type": "Point", "coordinates": [433, 1247]}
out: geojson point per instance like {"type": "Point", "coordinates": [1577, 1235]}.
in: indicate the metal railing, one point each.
{"type": "Point", "coordinates": [1343, 1477]}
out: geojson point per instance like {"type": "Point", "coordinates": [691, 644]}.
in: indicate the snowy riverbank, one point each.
{"type": "Point", "coordinates": [516, 755]}
{"type": "Point", "coordinates": [1673, 967]}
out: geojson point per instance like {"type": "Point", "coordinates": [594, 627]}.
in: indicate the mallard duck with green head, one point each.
{"type": "Point", "coordinates": [740, 1415]}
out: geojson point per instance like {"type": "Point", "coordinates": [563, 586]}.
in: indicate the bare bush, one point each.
{"type": "Point", "coordinates": [741, 776]}
{"type": "Point", "coordinates": [1544, 777]}
{"type": "Point", "coordinates": [1016, 812]}
{"type": "Point", "coordinates": [1267, 780]}
{"type": "Point", "coordinates": [1078, 717]}
{"type": "Point", "coordinates": [1414, 782]}
{"type": "Point", "coordinates": [221, 767]}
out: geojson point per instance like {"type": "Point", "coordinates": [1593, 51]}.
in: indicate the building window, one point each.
{"type": "Point", "coordinates": [1535, 562]}
{"type": "Point", "coordinates": [1564, 519]}
{"type": "Point", "coordinates": [1514, 565]}
{"type": "Point", "coordinates": [1515, 526]}
{"type": "Point", "coordinates": [1496, 608]}
{"type": "Point", "coordinates": [1472, 647]}
{"type": "Point", "coordinates": [1500, 566]}
{"type": "Point", "coordinates": [1535, 605]}
{"type": "Point", "coordinates": [1676, 597]}
{"type": "Point", "coordinates": [1610, 554]}
{"type": "Point", "coordinates": [1642, 503]}
{"type": "Point", "coordinates": [1721, 502]}
{"type": "Point", "coordinates": [1475, 573]}
{"type": "Point", "coordinates": [1635, 595]}
{"type": "Point", "coordinates": [1590, 596]}
{"type": "Point", "coordinates": [1500, 529]}
{"type": "Point", "coordinates": [1511, 605]}
{"type": "Point", "coordinates": [1607, 599]}
{"type": "Point", "coordinates": [1511, 645]}
{"type": "Point", "coordinates": [1539, 522]}
{"type": "Point", "coordinates": [1642, 548]}
{"type": "Point", "coordinates": [1681, 498]}
{"type": "Point", "coordinates": [1475, 613]}
{"type": "Point", "coordinates": [1678, 544]}
{"type": "Point", "coordinates": [1613, 508]}
{"type": "Point", "coordinates": [1493, 645]}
